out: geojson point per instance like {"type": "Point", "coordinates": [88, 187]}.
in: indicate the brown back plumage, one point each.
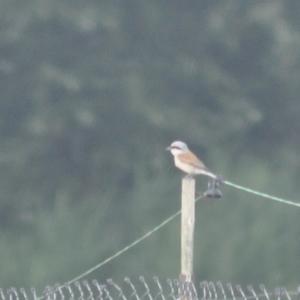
{"type": "Point", "coordinates": [191, 159]}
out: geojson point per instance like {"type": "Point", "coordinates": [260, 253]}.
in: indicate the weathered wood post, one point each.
{"type": "Point", "coordinates": [187, 227]}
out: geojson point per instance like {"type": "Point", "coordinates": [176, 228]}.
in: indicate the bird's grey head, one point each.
{"type": "Point", "coordinates": [177, 147]}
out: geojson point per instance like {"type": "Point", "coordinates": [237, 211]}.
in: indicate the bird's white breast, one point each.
{"type": "Point", "coordinates": [187, 168]}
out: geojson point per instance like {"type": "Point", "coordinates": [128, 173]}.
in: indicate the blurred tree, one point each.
{"type": "Point", "coordinates": [93, 91]}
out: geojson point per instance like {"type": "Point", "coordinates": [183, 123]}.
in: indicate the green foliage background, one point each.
{"type": "Point", "coordinates": [91, 93]}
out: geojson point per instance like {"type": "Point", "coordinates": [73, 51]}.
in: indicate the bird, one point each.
{"type": "Point", "coordinates": [187, 161]}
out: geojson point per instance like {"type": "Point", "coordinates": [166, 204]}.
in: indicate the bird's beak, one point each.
{"type": "Point", "coordinates": [168, 148]}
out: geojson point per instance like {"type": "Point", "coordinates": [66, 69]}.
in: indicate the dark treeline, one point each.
{"type": "Point", "coordinates": [91, 94]}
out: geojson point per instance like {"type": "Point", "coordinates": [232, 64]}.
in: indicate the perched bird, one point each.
{"type": "Point", "coordinates": [187, 161]}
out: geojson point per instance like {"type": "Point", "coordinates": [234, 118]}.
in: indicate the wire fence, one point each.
{"type": "Point", "coordinates": [151, 289]}
{"type": "Point", "coordinates": [154, 289]}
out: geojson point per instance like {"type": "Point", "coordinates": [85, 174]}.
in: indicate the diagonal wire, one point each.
{"type": "Point", "coordinates": [251, 191]}
{"type": "Point", "coordinates": [162, 224]}
{"type": "Point", "coordinates": [120, 252]}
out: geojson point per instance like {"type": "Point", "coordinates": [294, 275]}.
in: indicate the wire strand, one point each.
{"type": "Point", "coordinates": [120, 252]}
{"type": "Point", "coordinates": [264, 195]}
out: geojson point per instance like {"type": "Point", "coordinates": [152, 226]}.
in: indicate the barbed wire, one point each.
{"type": "Point", "coordinates": [152, 289]}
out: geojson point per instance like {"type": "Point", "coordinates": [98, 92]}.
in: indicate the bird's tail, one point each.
{"type": "Point", "coordinates": [208, 173]}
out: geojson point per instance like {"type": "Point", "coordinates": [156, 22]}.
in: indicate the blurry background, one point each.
{"type": "Point", "coordinates": [91, 93]}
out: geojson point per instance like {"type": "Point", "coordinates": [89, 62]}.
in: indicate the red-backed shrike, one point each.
{"type": "Point", "coordinates": [187, 161]}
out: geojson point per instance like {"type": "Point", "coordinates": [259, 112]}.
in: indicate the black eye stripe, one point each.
{"type": "Point", "coordinates": [175, 147]}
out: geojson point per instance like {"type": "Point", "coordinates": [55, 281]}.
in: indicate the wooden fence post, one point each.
{"type": "Point", "coordinates": [187, 227]}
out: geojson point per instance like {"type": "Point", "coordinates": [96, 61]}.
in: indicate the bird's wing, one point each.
{"type": "Point", "coordinates": [191, 159]}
